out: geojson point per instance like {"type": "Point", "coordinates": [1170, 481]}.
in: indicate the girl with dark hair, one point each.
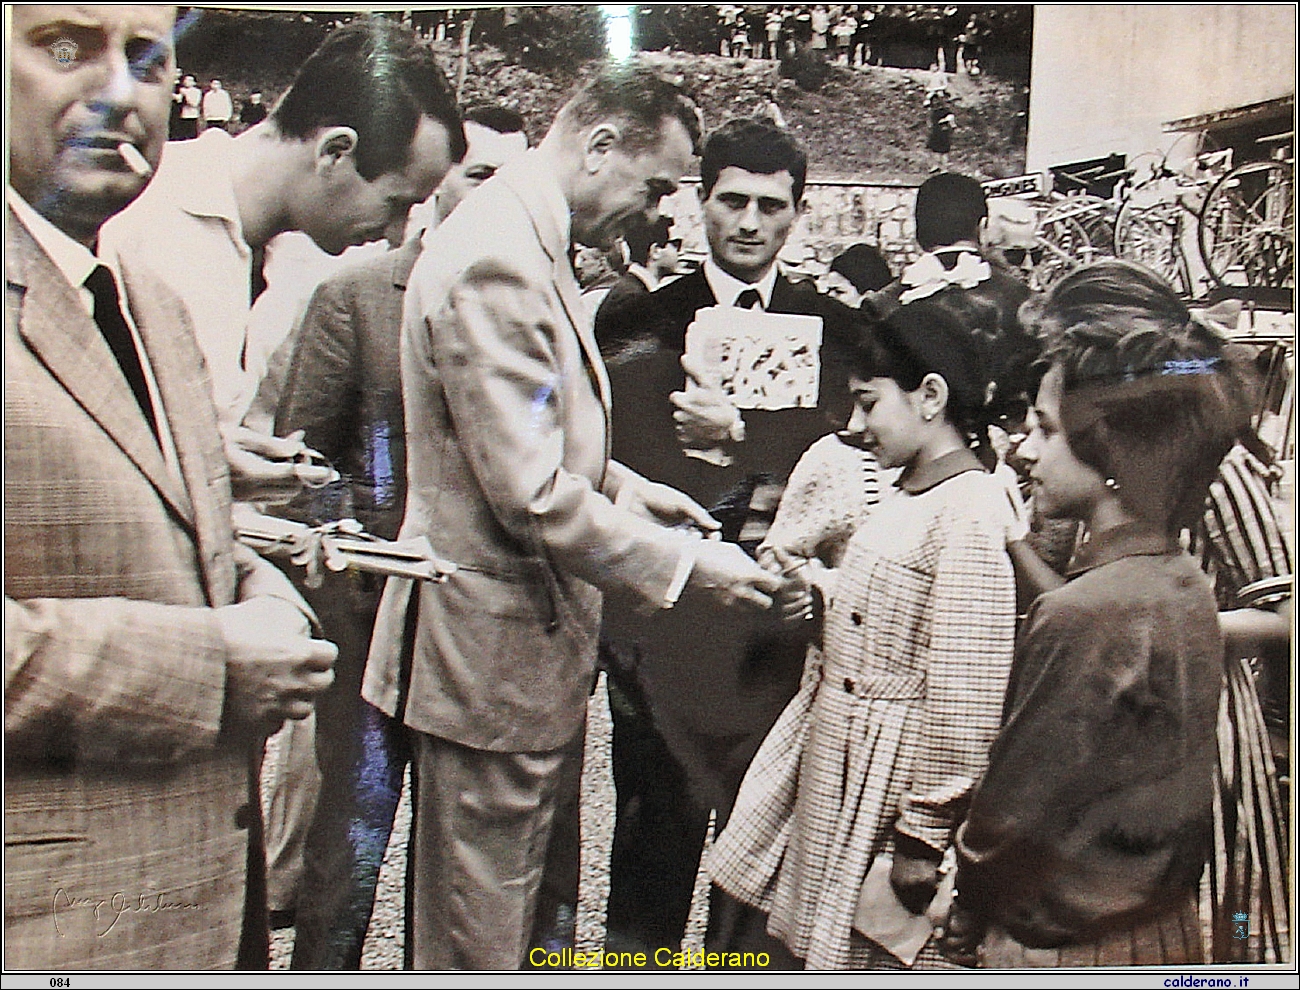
{"type": "Point", "coordinates": [1088, 835]}
{"type": "Point", "coordinates": [876, 755]}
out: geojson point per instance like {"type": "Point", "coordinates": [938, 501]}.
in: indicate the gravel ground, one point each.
{"type": "Point", "coordinates": [383, 949]}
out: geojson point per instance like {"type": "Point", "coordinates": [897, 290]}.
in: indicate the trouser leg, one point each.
{"type": "Point", "coordinates": [659, 832]}
{"type": "Point", "coordinates": [346, 846]}
{"type": "Point", "coordinates": [555, 922]}
{"type": "Point", "coordinates": [362, 755]}
{"type": "Point", "coordinates": [483, 821]}
{"type": "Point", "coordinates": [293, 783]}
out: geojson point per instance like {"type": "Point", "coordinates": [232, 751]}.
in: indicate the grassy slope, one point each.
{"type": "Point", "coordinates": [864, 124]}
{"type": "Point", "coordinates": [868, 123]}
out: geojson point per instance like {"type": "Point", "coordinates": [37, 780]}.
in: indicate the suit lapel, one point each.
{"type": "Point", "coordinates": [173, 356]}
{"type": "Point", "coordinates": [571, 297]}
{"type": "Point", "coordinates": [690, 293]}
{"type": "Point", "coordinates": [57, 328]}
{"type": "Point", "coordinates": [783, 296]}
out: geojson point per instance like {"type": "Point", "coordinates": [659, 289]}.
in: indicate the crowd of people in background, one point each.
{"type": "Point", "coordinates": [195, 110]}
{"type": "Point", "coordinates": [885, 572]}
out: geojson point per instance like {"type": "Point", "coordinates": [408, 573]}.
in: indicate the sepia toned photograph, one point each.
{"type": "Point", "coordinates": [650, 488]}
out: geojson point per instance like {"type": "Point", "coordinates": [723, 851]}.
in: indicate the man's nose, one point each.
{"type": "Point", "coordinates": [117, 90]}
{"type": "Point", "coordinates": [749, 216]}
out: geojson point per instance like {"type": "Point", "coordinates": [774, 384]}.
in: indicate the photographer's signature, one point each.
{"type": "Point", "coordinates": [109, 910]}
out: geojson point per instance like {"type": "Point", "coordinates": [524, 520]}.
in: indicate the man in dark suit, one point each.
{"type": "Point", "coordinates": [694, 691]}
{"type": "Point", "coordinates": [146, 654]}
{"type": "Point", "coordinates": [652, 256]}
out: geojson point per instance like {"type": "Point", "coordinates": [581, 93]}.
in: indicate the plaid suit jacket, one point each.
{"type": "Point", "coordinates": [126, 809]}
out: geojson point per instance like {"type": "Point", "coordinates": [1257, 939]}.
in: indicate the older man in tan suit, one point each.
{"type": "Point", "coordinates": [507, 418]}
{"type": "Point", "coordinates": [145, 653]}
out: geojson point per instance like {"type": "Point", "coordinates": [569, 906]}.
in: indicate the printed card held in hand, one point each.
{"type": "Point", "coordinates": [761, 360]}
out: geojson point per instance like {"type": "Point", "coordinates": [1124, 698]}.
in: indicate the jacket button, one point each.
{"type": "Point", "coordinates": [848, 685]}
{"type": "Point", "coordinates": [856, 618]}
{"type": "Point", "coordinates": [244, 816]}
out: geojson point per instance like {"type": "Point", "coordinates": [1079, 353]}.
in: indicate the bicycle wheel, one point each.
{"type": "Point", "coordinates": [1149, 234]}
{"type": "Point", "coordinates": [1064, 242]}
{"type": "Point", "coordinates": [1245, 227]}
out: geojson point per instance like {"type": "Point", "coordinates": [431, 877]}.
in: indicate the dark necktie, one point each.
{"type": "Point", "coordinates": [112, 324]}
{"type": "Point", "coordinates": [749, 299]}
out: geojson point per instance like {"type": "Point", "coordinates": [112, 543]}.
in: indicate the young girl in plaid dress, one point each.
{"type": "Point", "coordinates": [889, 732]}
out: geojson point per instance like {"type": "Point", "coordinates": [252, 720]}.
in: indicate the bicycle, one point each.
{"type": "Point", "coordinates": [1154, 223]}
{"type": "Point", "coordinates": [1247, 224]}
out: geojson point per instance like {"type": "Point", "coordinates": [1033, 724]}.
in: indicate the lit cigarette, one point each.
{"type": "Point", "coordinates": [134, 160]}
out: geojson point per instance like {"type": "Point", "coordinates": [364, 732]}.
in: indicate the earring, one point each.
{"type": "Point", "coordinates": [1112, 484]}
{"type": "Point", "coordinates": [927, 416]}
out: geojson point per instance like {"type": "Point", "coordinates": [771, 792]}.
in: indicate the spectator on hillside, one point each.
{"type": "Point", "coordinates": [845, 28]}
{"type": "Point", "coordinates": [253, 112]}
{"type": "Point", "coordinates": [862, 38]}
{"type": "Point", "coordinates": [821, 24]}
{"type": "Point", "coordinates": [217, 108]}
{"type": "Point", "coordinates": [942, 121]}
{"type": "Point", "coordinates": [189, 99]}
{"type": "Point", "coordinates": [775, 19]}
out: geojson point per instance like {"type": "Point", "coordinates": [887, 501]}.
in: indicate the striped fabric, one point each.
{"type": "Point", "coordinates": [1240, 539]}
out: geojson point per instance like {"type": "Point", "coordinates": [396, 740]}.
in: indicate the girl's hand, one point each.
{"type": "Point", "coordinates": [914, 881]}
{"type": "Point", "coordinates": [915, 874]}
{"type": "Point", "coordinates": [795, 599]}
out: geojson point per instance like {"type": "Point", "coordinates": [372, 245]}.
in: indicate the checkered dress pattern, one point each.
{"type": "Point", "coordinates": [892, 729]}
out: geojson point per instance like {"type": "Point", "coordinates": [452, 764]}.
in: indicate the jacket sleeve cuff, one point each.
{"type": "Point", "coordinates": [682, 574]}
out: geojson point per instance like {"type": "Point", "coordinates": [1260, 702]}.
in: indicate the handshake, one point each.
{"type": "Point", "coordinates": [776, 581]}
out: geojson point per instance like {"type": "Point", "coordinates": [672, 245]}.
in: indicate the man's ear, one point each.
{"type": "Point", "coordinates": [601, 140]}
{"type": "Point", "coordinates": [333, 144]}
{"type": "Point", "coordinates": [801, 207]}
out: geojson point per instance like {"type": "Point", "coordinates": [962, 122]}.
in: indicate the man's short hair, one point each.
{"type": "Point", "coordinates": [757, 145]}
{"type": "Point", "coordinates": [949, 208]}
{"type": "Point", "coordinates": [495, 117]}
{"type": "Point", "coordinates": [637, 97]}
{"type": "Point", "coordinates": [374, 76]}
{"type": "Point", "coordinates": [863, 265]}
{"type": "Point", "coordinates": [641, 235]}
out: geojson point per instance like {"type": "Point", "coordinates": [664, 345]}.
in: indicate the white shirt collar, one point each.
{"type": "Point", "coordinates": [726, 287]}
{"type": "Point", "coordinates": [74, 260]}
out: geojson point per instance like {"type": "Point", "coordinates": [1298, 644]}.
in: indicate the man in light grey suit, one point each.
{"type": "Point", "coordinates": [145, 653]}
{"type": "Point", "coordinates": [507, 411]}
